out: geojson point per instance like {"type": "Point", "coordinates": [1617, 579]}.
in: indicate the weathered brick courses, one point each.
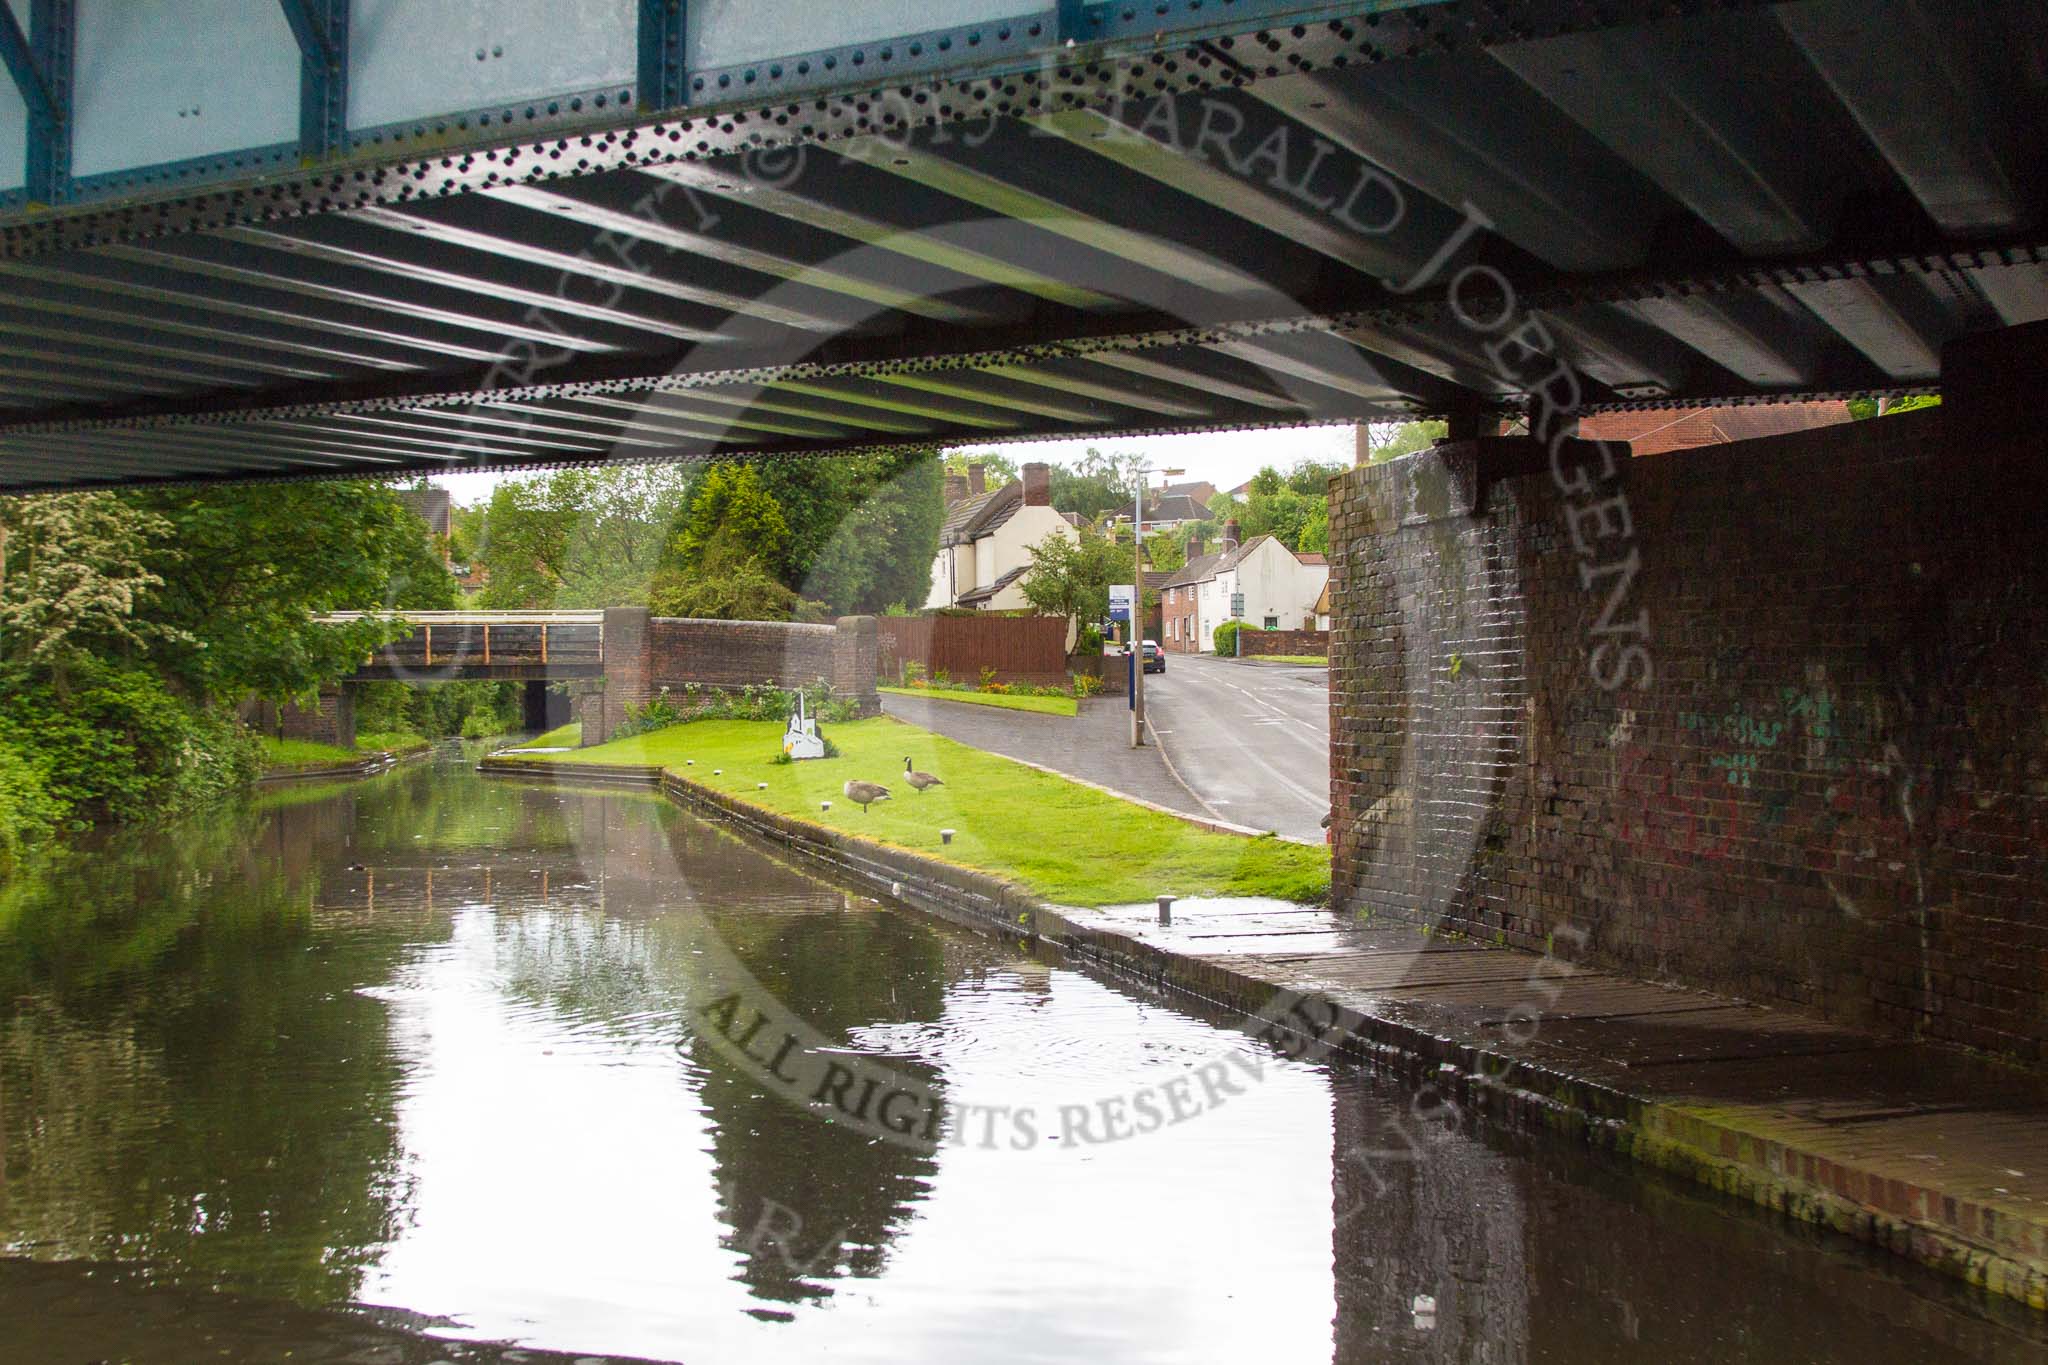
{"type": "Point", "coordinates": [1829, 791]}
{"type": "Point", "coordinates": [644, 654]}
{"type": "Point", "coordinates": [1258, 642]}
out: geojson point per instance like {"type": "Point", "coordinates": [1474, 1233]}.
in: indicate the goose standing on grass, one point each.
{"type": "Point", "coordinates": [865, 794]}
{"type": "Point", "coordinates": [919, 780]}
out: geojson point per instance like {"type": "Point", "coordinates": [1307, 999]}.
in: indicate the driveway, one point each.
{"type": "Point", "coordinates": [1094, 746]}
{"type": "Point", "coordinates": [1253, 740]}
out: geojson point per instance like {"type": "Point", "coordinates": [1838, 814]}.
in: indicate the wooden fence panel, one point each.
{"type": "Point", "coordinates": [1029, 649]}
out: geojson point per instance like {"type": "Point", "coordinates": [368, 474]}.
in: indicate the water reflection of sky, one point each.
{"type": "Point", "coordinates": [414, 1043]}
{"type": "Point", "coordinates": [563, 1188]}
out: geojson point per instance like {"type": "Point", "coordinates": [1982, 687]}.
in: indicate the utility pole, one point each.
{"type": "Point", "coordinates": [1137, 624]}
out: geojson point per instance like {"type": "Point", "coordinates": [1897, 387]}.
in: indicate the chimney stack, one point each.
{"type": "Point", "coordinates": [1195, 546]}
{"type": "Point", "coordinates": [1037, 485]}
{"type": "Point", "coordinates": [1230, 535]}
{"type": "Point", "coordinates": [977, 479]}
{"type": "Point", "coordinates": [956, 488]}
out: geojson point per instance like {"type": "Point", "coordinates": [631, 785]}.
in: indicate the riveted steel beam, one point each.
{"type": "Point", "coordinates": [664, 76]}
{"type": "Point", "coordinates": [321, 30]}
{"type": "Point", "coordinates": [22, 66]}
{"type": "Point", "coordinates": [947, 78]}
{"type": "Point", "coordinates": [40, 63]}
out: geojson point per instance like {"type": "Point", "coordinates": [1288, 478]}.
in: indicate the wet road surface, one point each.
{"type": "Point", "coordinates": [1252, 740]}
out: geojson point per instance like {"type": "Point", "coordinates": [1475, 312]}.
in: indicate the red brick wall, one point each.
{"type": "Point", "coordinates": [856, 657]}
{"type": "Point", "coordinates": [1823, 780]}
{"type": "Point", "coordinates": [1027, 649]}
{"type": "Point", "coordinates": [1257, 642]}
{"type": "Point", "coordinates": [329, 720]}
{"type": "Point", "coordinates": [628, 663]}
{"type": "Point", "coordinates": [735, 653]}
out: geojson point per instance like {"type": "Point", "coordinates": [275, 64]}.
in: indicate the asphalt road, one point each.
{"type": "Point", "coordinates": [1253, 740]}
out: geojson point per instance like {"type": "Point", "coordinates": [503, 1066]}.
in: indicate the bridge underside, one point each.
{"type": "Point", "coordinates": [478, 672]}
{"type": "Point", "coordinates": [1373, 211]}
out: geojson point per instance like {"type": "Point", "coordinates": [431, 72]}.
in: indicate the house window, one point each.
{"type": "Point", "coordinates": [1272, 623]}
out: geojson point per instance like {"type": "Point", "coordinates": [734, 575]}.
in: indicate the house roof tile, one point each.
{"type": "Point", "coordinates": [988, 590]}
{"type": "Point", "coordinates": [981, 514]}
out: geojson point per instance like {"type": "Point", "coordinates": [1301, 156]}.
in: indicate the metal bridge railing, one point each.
{"type": "Point", "coordinates": [486, 638]}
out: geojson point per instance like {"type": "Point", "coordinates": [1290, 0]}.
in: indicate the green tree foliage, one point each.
{"type": "Point", "coordinates": [724, 562]}
{"type": "Point", "coordinates": [579, 537]}
{"type": "Point", "coordinates": [72, 572]}
{"type": "Point", "coordinates": [997, 469]}
{"type": "Point", "coordinates": [1863, 409]}
{"type": "Point", "coordinates": [437, 712]}
{"type": "Point", "coordinates": [28, 812]}
{"type": "Point", "coordinates": [1315, 530]}
{"type": "Point", "coordinates": [856, 532]}
{"type": "Point", "coordinates": [881, 552]}
{"type": "Point", "coordinates": [1166, 551]}
{"type": "Point", "coordinates": [1225, 635]}
{"type": "Point", "coordinates": [1284, 514]}
{"type": "Point", "coordinates": [726, 587]}
{"type": "Point", "coordinates": [1311, 478]}
{"type": "Point", "coordinates": [1390, 441]}
{"type": "Point", "coordinates": [130, 624]}
{"type": "Point", "coordinates": [733, 517]}
{"type": "Point", "coordinates": [247, 566]}
{"type": "Point", "coordinates": [863, 528]}
{"type": "Point", "coordinates": [1071, 578]}
{"type": "Point", "coordinates": [1100, 483]}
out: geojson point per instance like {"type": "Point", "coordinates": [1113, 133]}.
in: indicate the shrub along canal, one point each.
{"type": "Point", "coordinates": [403, 1068]}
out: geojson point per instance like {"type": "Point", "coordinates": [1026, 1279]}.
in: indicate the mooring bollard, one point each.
{"type": "Point", "coordinates": [718, 772]}
{"type": "Point", "coordinates": [945, 836]}
{"type": "Point", "coordinates": [689, 763]}
{"type": "Point", "coordinates": [824, 805]}
{"type": "Point", "coordinates": [1166, 909]}
{"type": "Point", "coordinates": [760, 786]}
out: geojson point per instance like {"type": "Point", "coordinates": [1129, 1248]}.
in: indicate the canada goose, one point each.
{"type": "Point", "coordinates": [865, 793]}
{"type": "Point", "coordinates": [919, 780]}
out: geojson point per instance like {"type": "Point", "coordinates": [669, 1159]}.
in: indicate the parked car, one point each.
{"type": "Point", "coordinates": [1155, 657]}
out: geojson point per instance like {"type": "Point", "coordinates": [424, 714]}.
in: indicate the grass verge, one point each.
{"type": "Point", "coordinates": [390, 741]}
{"type": "Point", "coordinates": [293, 755]}
{"type": "Point", "coordinates": [1068, 843]}
{"type": "Point", "coordinates": [1316, 659]}
{"type": "Point", "coordinates": [1049, 706]}
{"type": "Point", "coordinates": [306, 755]}
{"type": "Point", "coordinates": [561, 737]}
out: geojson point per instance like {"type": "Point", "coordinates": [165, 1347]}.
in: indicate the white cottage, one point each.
{"type": "Point", "coordinates": [1281, 590]}
{"type": "Point", "coordinates": [985, 542]}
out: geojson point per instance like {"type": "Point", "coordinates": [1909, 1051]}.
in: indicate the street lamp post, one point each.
{"type": "Point", "coordinates": [1137, 636]}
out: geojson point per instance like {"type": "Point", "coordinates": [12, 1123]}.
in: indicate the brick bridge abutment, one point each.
{"type": "Point", "coordinates": [1768, 717]}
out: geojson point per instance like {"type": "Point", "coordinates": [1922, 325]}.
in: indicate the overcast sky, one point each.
{"type": "Point", "coordinates": [1225, 459]}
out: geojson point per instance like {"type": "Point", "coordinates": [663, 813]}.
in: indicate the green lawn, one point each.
{"type": "Point", "coordinates": [390, 741]}
{"type": "Point", "coordinates": [1050, 706]}
{"type": "Point", "coordinates": [305, 755]}
{"type": "Point", "coordinates": [1068, 843]}
{"type": "Point", "coordinates": [1318, 659]}
{"type": "Point", "coordinates": [561, 737]}
{"type": "Point", "coordinates": [296, 754]}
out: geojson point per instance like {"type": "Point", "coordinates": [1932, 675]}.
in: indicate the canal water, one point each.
{"type": "Point", "coordinates": [416, 1069]}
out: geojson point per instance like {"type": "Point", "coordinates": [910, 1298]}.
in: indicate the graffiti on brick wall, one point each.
{"type": "Point", "coordinates": [1766, 779]}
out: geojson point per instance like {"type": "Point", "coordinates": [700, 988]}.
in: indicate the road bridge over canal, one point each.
{"type": "Point", "coordinates": [289, 238]}
{"type": "Point", "coordinates": [490, 646]}
{"type": "Point", "coordinates": [1768, 718]}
